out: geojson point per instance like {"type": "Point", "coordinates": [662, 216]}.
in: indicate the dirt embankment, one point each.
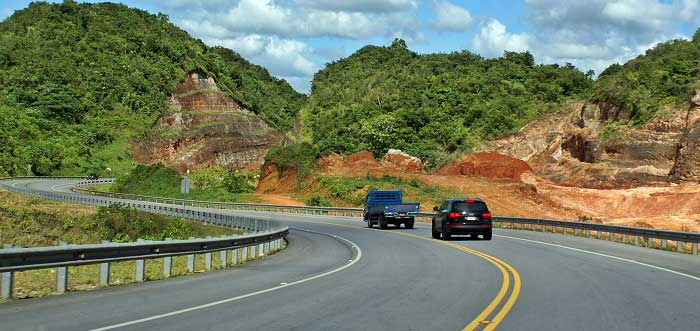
{"type": "Point", "coordinates": [511, 188]}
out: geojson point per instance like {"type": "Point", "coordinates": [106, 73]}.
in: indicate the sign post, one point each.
{"type": "Point", "coordinates": [185, 187]}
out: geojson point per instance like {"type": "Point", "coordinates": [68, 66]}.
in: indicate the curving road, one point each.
{"type": "Point", "coordinates": [337, 274]}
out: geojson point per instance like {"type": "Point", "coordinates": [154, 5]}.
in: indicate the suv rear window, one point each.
{"type": "Point", "coordinates": [470, 207]}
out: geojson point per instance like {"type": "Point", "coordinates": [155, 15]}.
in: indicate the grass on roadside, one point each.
{"type": "Point", "coordinates": [210, 184]}
{"type": "Point", "coordinates": [32, 222]}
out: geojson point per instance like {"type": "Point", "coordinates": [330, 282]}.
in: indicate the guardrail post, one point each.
{"type": "Point", "coordinates": [104, 270]}
{"type": "Point", "coordinates": [234, 256]}
{"type": "Point", "coordinates": [222, 258]}
{"type": "Point", "coordinates": [140, 267]}
{"type": "Point", "coordinates": [650, 240]}
{"type": "Point", "coordinates": [190, 261]}
{"type": "Point", "coordinates": [636, 240]}
{"type": "Point", "coordinates": [167, 263]}
{"type": "Point", "coordinates": [663, 243]}
{"type": "Point", "coordinates": [597, 234]}
{"type": "Point", "coordinates": [61, 275]}
{"type": "Point", "coordinates": [207, 259]}
{"type": "Point", "coordinates": [679, 246]}
{"type": "Point", "coordinates": [695, 248]}
{"type": "Point", "coordinates": [260, 250]}
{"type": "Point", "coordinates": [624, 238]}
{"type": "Point", "coordinates": [7, 281]}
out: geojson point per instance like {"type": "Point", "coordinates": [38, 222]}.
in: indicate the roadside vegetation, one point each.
{"type": "Point", "coordinates": [80, 81]}
{"type": "Point", "coordinates": [300, 157]}
{"type": "Point", "coordinates": [351, 192]}
{"type": "Point", "coordinates": [32, 222]}
{"type": "Point", "coordinates": [209, 184]}
{"type": "Point", "coordinates": [431, 105]}
{"type": "Point", "coordinates": [664, 75]}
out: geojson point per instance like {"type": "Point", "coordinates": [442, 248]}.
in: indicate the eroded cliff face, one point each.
{"type": "Point", "coordinates": [204, 127]}
{"type": "Point", "coordinates": [687, 161]}
{"type": "Point", "coordinates": [585, 146]}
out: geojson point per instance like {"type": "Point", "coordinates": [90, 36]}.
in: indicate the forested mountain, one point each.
{"type": "Point", "coordinates": [79, 81]}
{"type": "Point", "coordinates": [434, 104]}
{"type": "Point", "coordinates": [664, 76]}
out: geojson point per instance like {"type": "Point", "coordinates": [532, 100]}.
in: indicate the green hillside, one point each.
{"type": "Point", "coordinates": [664, 76]}
{"type": "Point", "coordinates": [431, 105]}
{"type": "Point", "coordinates": [79, 81]}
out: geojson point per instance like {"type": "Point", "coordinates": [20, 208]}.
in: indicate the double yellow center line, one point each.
{"type": "Point", "coordinates": [499, 307]}
{"type": "Point", "coordinates": [492, 310]}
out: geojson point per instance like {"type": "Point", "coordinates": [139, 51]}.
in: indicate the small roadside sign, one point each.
{"type": "Point", "coordinates": [185, 186]}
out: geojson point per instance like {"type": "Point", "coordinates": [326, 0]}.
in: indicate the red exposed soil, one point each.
{"type": "Point", "coordinates": [486, 164]}
{"type": "Point", "coordinates": [510, 188]}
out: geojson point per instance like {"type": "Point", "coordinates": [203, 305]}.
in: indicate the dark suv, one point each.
{"type": "Point", "coordinates": [467, 216]}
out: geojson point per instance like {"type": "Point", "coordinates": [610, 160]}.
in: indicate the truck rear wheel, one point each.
{"type": "Point", "coordinates": [409, 223]}
{"type": "Point", "coordinates": [382, 223]}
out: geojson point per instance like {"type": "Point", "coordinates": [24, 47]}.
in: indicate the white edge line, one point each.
{"type": "Point", "coordinates": [603, 255]}
{"type": "Point", "coordinates": [186, 310]}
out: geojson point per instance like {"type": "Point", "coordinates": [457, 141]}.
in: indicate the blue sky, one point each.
{"type": "Point", "coordinates": [295, 38]}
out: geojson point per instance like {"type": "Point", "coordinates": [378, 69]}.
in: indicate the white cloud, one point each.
{"type": "Point", "coordinates": [690, 10]}
{"type": "Point", "coordinates": [364, 6]}
{"type": "Point", "coordinates": [5, 13]}
{"type": "Point", "coordinates": [593, 34]}
{"type": "Point", "coordinates": [271, 18]}
{"type": "Point", "coordinates": [449, 17]}
{"type": "Point", "coordinates": [646, 13]}
{"type": "Point", "coordinates": [283, 57]}
{"type": "Point", "coordinates": [493, 39]}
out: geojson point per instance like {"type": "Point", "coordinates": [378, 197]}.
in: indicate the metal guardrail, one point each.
{"type": "Point", "coordinates": [686, 242]}
{"type": "Point", "coordinates": [266, 236]}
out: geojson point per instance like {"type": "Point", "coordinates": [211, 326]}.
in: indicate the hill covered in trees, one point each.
{"type": "Point", "coordinates": [664, 76]}
{"type": "Point", "coordinates": [79, 81]}
{"type": "Point", "coordinates": [431, 105]}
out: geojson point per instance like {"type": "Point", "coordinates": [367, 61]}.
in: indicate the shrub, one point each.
{"type": "Point", "coordinates": [235, 182]}
{"type": "Point", "coordinates": [317, 201]}
{"type": "Point", "coordinates": [300, 157]}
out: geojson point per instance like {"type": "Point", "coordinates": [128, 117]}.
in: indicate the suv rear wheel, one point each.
{"type": "Point", "coordinates": [436, 235]}
{"type": "Point", "coordinates": [487, 236]}
{"type": "Point", "coordinates": [446, 235]}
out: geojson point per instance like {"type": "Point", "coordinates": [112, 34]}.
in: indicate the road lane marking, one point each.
{"type": "Point", "coordinates": [603, 255]}
{"type": "Point", "coordinates": [490, 308]}
{"type": "Point", "coordinates": [215, 303]}
{"type": "Point", "coordinates": [506, 271]}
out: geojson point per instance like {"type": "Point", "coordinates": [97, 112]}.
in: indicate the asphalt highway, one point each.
{"type": "Point", "coordinates": [337, 274]}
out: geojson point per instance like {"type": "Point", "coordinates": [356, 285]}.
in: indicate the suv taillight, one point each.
{"type": "Point", "coordinates": [453, 215]}
{"type": "Point", "coordinates": [486, 215]}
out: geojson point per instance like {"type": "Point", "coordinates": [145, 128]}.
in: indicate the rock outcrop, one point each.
{"type": "Point", "coordinates": [687, 162]}
{"type": "Point", "coordinates": [587, 146]}
{"type": "Point", "coordinates": [488, 165]}
{"type": "Point", "coordinates": [403, 161]}
{"type": "Point", "coordinates": [203, 127]}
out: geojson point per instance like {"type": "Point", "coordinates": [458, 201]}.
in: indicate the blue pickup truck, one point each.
{"type": "Point", "coordinates": [386, 207]}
